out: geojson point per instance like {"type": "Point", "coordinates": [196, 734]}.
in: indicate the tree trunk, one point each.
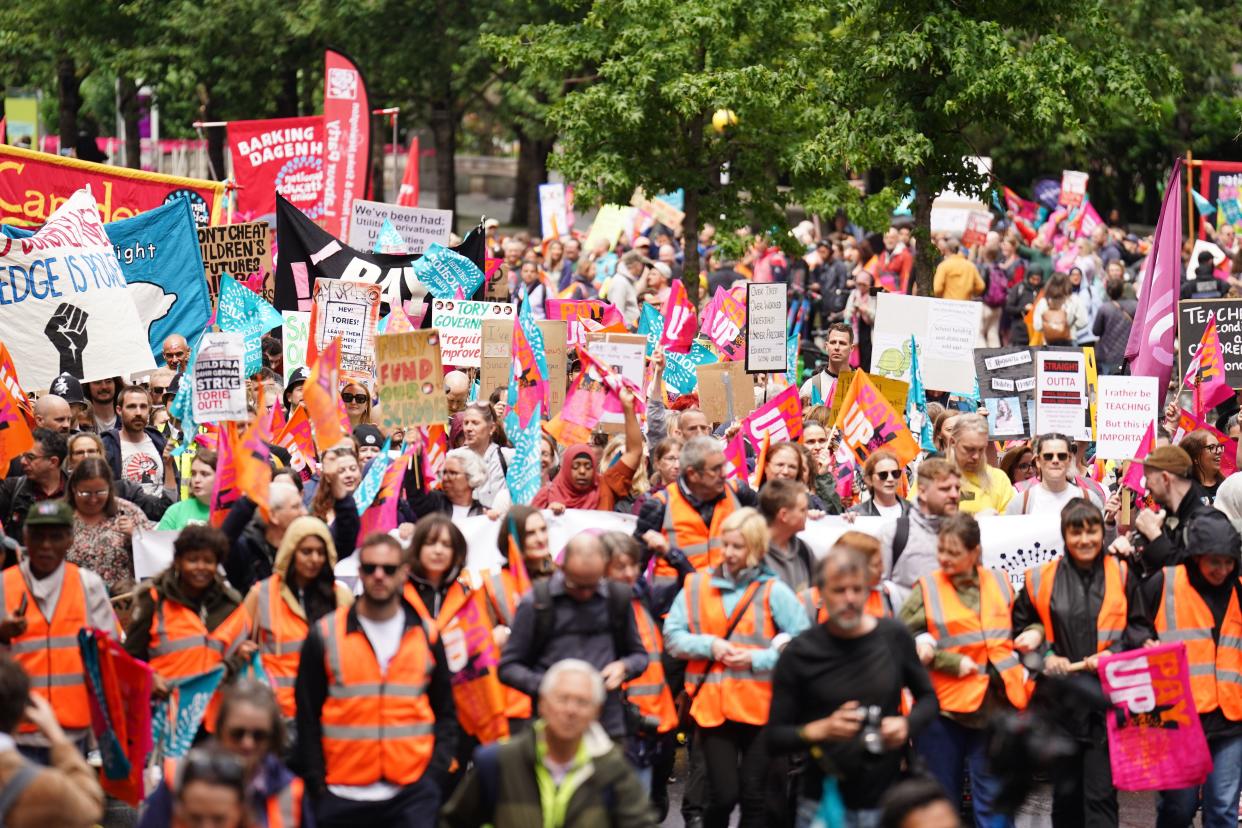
{"type": "Point", "coordinates": [925, 260]}
{"type": "Point", "coordinates": [287, 95]}
{"type": "Point", "coordinates": [444, 136]}
{"type": "Point", "coordinates": [690, 245]}
{"type": "Point", "coordinates": [519, 216]}
{"type": "Point", "coordinates": [68, 88]}
{"type": "Point", "coordinates": [534, 172]}
{"type": "Point", "coordinates": [127, 95]}
{"type": "Point", "coordinates": [215, 135]}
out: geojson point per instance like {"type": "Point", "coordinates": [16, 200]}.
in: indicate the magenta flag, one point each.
{"type": "Point", "coordinates": [680, 320]}
{"type": "Point", "coordinates": [1155, 740]}
{"type": "Point", "coordinates": [1206, 373]}
{"type": "Point", "coordinates": [1133, 478]}
{"type": "Point", "coordinates": [381, 515]}
{"type": "Point", "coordinates": [1150, 348]}
{"type": "Point", "coordinates": [735, 457]}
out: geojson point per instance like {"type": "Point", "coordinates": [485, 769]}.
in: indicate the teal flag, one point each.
{"type": "Point", "coordinates": [916, 402]}
{"type": "Point", "coordinates": [243, 311]}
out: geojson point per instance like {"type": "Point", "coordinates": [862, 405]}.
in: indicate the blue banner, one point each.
{"type": "Point", "coordinates": [243, 311]}
{"type": "Point", "coordinates": [373, 481]}
{"type": "Point", "coordinates": [443, 271]}
{"type": "Point", "coordinates": [680, 375]}
{"type": "Point", "coordinates": [175, 720]}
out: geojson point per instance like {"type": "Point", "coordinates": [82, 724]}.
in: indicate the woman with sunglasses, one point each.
{"type": "Point", "coordinates": [1054, 488]}
{"type": "Point", "coordinates": [300, 591]}
{"type": "Point", "coordinates": [250, 736]}
{"type": "Point", "coordinates": [103, 524]}
{"type": "Point", "coordinates": [1019, 463]}
{"type": "Point", "coordinates": [1205, 451]}
{"type": "Point", "coordinates": [357, 399]}
{"type": "Point", "coordinates": [882, 474]}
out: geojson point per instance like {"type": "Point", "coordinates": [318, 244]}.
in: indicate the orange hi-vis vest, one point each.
{"type": "Point", "coordinates": [281, 633]}
{"type": "Point", "coordinates": [454, 598]}
{"type": "Point", "coordinates": [685, 530]}
{"type": "Point", "coordinates": [1215, 666]}
{"type": "Point", "coordinates": [48, 650]}
{"type": "Point", "coordinates": [284, 808]}
{"type": "Point", "coordinates": [502, 596]}
{"type": "Point", "coordinates": [376, 726]}
{"type": "Point", "coordinates": [181, 644]}
{"type": "Point", "coordinates": [726, 693]}
{"type": "Point", "coordinates": [1109, 624]}
{"type": "Point", "coordinates": [817, 613]}
{"type": "Point", "coordinates": [986, 637]}
{"type": "Point", "coordinates": [649, 692]}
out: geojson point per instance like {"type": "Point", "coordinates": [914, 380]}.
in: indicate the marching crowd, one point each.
{"type": "Point", "coordinates": [877, 684]}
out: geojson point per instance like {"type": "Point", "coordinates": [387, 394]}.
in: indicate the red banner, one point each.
{"type": "Point", "coordinates": [347, 150]}
{"type": "Point", "coordinates": [34, 184]}
{"type": "Point", "coordinates": [285, 156]}
{"type": "Point", "coordinates": [407, 196]}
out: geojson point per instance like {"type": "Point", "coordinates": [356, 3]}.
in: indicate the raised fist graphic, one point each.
{"type": "Point", "coordinates": [67, 331]}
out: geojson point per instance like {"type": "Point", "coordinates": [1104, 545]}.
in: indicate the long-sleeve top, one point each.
{"type": "Point", "coordinates": [1112, 325]}
{"type": "Point", "coordinates": [957, 277]}
{"type": "Point", "coordinates": [788, 616]}
{"type": "Point", "coordinates": [251, 555]}
{"type": "Point", "coordinates": [818, 672]}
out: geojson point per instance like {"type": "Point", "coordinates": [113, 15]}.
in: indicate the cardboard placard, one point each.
{"type": "Point", "coordinates": [945, 331]}
{"type": "Point", "coordinates": [895, 391]}
{"type": "Point", "coordinates": [497, 287]}
{"type": "Point", "coordinates": [726, 391]}
{"type": "Point", "coordinates": [244, 251]}
{"type": "Point", "coordinates": [627, 355]}
{"type": "Point", "coordinates": [1192, 317]}
{"type": "Point", "coordinates": [1126, 408]}
{"type": "Point", "coordinates": [460, 322]}
{"type": "Point", "coordinates": [556, 352]}
{"type": "Point", "coordinates": [767, 306]}
{"type": "Point", "coordinates": [349, 310]}
{"type": "Point", "coordinates": [497, 359]}
{"type": "Point", "coordinates": [660, 210]}
{"type": "Point", "coordinates": [220, 378]}
{"type": "Point", "coordinates": [410, 379]}
{"type": "Point", "coordinates": [1005, 374]}
{"type": "Point", "coordinates": [417, 226]}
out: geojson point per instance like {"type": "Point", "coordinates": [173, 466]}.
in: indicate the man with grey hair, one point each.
{"type": "Point", "coordinates": [563, 771]}
{"type": "Point", "coordinates": [577, 613]}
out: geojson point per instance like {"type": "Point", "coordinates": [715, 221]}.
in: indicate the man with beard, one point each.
{"type": "Point", "coordinates": [1161, 536]}
{"type": "Point", "coordinates": [101, 394]}
{"type": "Point", "coordinates": [823, 385]}
{"type": "Point", "coordinates": [910, 541]}
{"type": "Point", "coordinates": [133, 449]}
{"type": "Point", "coordinates": [838, 677]}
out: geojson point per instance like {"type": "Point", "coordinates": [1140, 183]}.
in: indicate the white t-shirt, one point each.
{"type": "Point", "coordinates": [1040, 501]}
{"type": "Point", "coordinates": [889, 512]}
{"type": "Point", "coordinates": [141, 463]}
{"type": "Point", "coordinates": [460, 512]}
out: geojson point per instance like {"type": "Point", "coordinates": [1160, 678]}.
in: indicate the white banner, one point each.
{"type": "Point", "coordinates": [417, 226]}
{"type": "Point", "coordinates": [220, 378]}
{"type": "Point", "coordinates": [153, 551]}
{"type": "Point", "coordinates": [64, 302]}
{"type": "Point", "coordinates": [553, 211]}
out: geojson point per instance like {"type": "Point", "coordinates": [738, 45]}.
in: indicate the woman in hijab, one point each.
{"type": "Point", "coordinates": [578, 483]}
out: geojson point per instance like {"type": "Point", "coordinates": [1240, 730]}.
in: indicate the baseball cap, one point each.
{"type": "Point", "coordinates": [67, 387]}
{"type": "Point", "coordinates": [1172, 459]}
{"type": "Point", "coordinates": [1211, 533]}
{"type": "Point", "coordinates": [368, 435]}
{"type": "Point", "coordinates": [50, 513]}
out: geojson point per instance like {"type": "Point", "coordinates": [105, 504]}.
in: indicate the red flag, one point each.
{"type": "Point", "coordinates": [322, 396]}
{"type": "Point", "coordinates": [407, 196]}
{"type": "Point", "coordinates": [680, 320]}
{"type": "Point", "coordinates": [253, 460]}
{"type": "Point", "coordinates": [735, 457]}
{"type": "Point", "coordinates": [285, 156]}
{"type": "Point", "coordinates": [517, 564]}
{"type": "Point", "coordinates": [347, 150]}
{"type": "Point", "coordinates": [296, 438]}
{"type": "Point", "coordinates": [381, 515]}
{"type": "Point", "coordinates": [15, 436]}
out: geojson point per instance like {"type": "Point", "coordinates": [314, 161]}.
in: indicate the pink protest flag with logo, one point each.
{"type": "Point", "coordinates": [1206, 372]}
{"type": "Point", "coordinates": [1150, 348]}
{"type": "Point", "coordinates": [735, 458]}
{"type": "Point", "coordinates": [781, 416]}
{"type": "Point", "coordinates": [680, 320]}
{"type": "Point", "coordinates": [381, 515]}
{"type": "Point", "coordinates": [1133, 478]}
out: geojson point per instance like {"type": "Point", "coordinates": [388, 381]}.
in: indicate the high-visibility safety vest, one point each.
{"type": "Point", "coordinates": [284, 808]}
{"type": "Point", "coordinates": [454, 598]}
{"type": "Point", "coordinates": [985, 636]}
{"type": "Point", "coordinates": [685, 530]}
{"type": "Point", "coordinates": [649, 692]}
{"type": "Point", "coordinates": [1109, 624]}
{"type": "Point", "coordinates": [376, 725]}
{"type": "Point", "coordinates": [281, 633]}
{"type": "Point", "coordinates": [727, 693]}
{"type": "Point", "coordinates": [1215, 666]}
{"type": "Point", "coordinates": [502, 596]}
{"type": "Point", "coordinates": [48, 649]}
{"type": "Point", "coordinates": [817, 613]}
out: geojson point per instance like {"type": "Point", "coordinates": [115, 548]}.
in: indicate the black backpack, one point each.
{"type": "Point", "coordinates": [619, 597]}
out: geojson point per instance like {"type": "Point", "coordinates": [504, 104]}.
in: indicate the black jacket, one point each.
{"type": "Point", "coordinates": [17, 495]}
{"type": "Point", "coordinates": [251, 556]}
{"type": "Point", "coordinates": [112, 448]}
{"type": "Point", "coordinates": [1169, 547]}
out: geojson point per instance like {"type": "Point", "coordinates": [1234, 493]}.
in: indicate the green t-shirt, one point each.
{"type": "Point", "coordinates": [182, 514]}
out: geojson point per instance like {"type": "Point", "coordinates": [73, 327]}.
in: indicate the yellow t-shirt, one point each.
{"type": "Point", "coordinates": [973, 498]}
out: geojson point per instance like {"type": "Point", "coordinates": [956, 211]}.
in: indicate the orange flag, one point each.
{"type": "Point", "coordinates": [296, 438]}
{"type": "Point", "coordinates": [517, 564]}
{"type": "Point", "coordinates": [15, 436]}
{"type": "Point", "coordinates": [869, 423]}
{"type": "Point", "coordinates": [322, 396]}
{"type": "Point", "coordinates": [225, 492]}
{"type": "Point", "coordinates": [252, 462]}
{"type": "Point", "coordinates": [762, 461]}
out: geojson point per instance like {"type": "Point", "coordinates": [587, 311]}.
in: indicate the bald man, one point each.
{"type": "Point", "coordinates": [457, 387]}
{"type": "Point", "coordinates": [53, 412]}
{"type": "Point", "coordinates": [176, 352]}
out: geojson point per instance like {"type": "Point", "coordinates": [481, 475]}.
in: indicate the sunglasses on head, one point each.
{"type": "Point", "coordinates": [370, 568]}
{"type": "Point", "coordinates": [1055, 455]}
{"type": "Point", "coordinates": [357, 399]}
{"type": "Point", "coordinates": [888, 474]}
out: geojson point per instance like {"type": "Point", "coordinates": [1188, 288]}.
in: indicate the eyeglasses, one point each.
{"type": "Point", "coordinates": [1055, 455]}
{"type": "Point", "coordinates": [30, 457]}
{"type": "Point", "coordinates": [1216, 449]}
{"type": "Point", "coordinates": [370, 568]}
{"type": "Point", "coordinates": [888, 474]}
{"type": "Point", "coordinates": [256, 735]}
{"type": "Point", "coordinates": [95, 493]}
{"type": "Point", "coordinates": [356, 399]}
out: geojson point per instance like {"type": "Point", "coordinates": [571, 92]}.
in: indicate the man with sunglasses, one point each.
{"type": "Point", "coordinates": [377, 729]}
{"type": "Point", "coordinates": [1055, 464]}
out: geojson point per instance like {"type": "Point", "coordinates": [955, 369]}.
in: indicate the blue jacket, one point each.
{"type": "Point", "coordinates": [112, 448]}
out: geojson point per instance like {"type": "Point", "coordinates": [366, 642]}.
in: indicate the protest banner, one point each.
{"type": "Point", "coordinates": [295, 336]}
{"type": "Point", "coordinates": [348, 311]}
{"type": "Point", "coordinates": [308, 252]}
{"type": "Point", "coordinates": [244, 251]}
{"type": "Point", "coordinates": [724, 325]}
{"type": "Point", "coordinates": [869, 423]}
{"type": "Point", "coordinates": [1073, 187]}
{"type": "Point", "coordinates": [410, 380]}
{"type": "Point", "coordinates": [280, 155]}
{"type": "Point", "coordinates": [680, 320]}
{"type": "Point", "coordinates": [153, 551]}
{"type": "Point", "coordinates": [895, 391]}
{"type": "Point", "coordinates": [33, 185]}
{"type": "Point", "coordinates": [766, 312]}
{"type": "Point", "coordinates": [1061, 395]}
{"type": "Point", "coordinates": [726, 391]}
{"type": "Point", "coordinates": [1192, 319]}
{"type": "Point", "coordinates": [978, 223]}
{"type": "Point", "coordinates": [610, 222]}
{"type": "Point", "coordinates": [1126, 409]}
{"type": "Point", "coordinates": [481, 534]}
{"type": "Point", "coordinates": [573, 311]}
{"type": "Point", "coordinates": [347, 150]}
{"type": "Point", "coordinates": [219, 378]}
{"type": "Point", "coordinates": [781, 417]}
{"type": "Point", "coordinates": [624, 354]}
{"type": "Point", "coordinates": [1155, 738]}
{"type": "Point", "coordinates": [65, 306]}
{"type": "Point", "coordinates": [418, 227]}
{"type": "Point", "coordinates": [659, 210]}
{"type": "Point", "coordinates": [945, 331]}
{"type": "Point", "coordinates": [176, 718]}
{"type": "Point", "coordinates": [460, 323]}
{"type": "Point", "coordinates": [242, 310]}
{"type": "Point", "coordinates": [553, 211]}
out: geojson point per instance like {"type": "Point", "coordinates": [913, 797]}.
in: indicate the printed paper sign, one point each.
{"type": "Point", "coordinates": [1073, 187]}
{"type": "Point", "coordinates": [1126, 408]}
{"type": "Point", "coordinates": [1061, 394]}
{"type": "Point", "coordinates": [978, 223]}
{"type": "Point", "coordinates": [553, 212]}
{"type": "Point", "coordinates": [1005, 373]}
{"type": "Point", "coordinates": [244, 251]}
{"type": "Point", "coordinates": [460, 323]}
{"type": "Point", "coordinates": [349, 310]}
{"type": "Point", "coordinates": [624, 354]}
{"type": "Point", "coordinates": [220, 378]}
{"type": "Point", "coordinates": [295, 329]}
{"type": "Point", "coordinates": [417, 226]}
{"type": "Point", "coordinates": [410, 379]}
{"type": "Point", "coordinates": [766, 311]}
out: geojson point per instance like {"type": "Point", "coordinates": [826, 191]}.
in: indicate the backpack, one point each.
{"type": "Point", "coordinates": [998, 287]}
{"type": "Point", "coordinates": [1056, 326]}
{"type": "Point", "coordinates": [619, 597]}
{"type": "Point", "coordinates": [900, 535]}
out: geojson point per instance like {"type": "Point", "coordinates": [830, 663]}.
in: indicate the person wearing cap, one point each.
{"type": "Point", "coordinates": [1160, 536]}
{"type": "Point", "coordinates": [293, 389]}
{"type": "Point", "coordinates": [622, 289]}
{"type": "Point", "coordinates": [1197, 602]}
{"type": "Point", "coordinates": [369, 440]}
{"type": "Point", "coordinates": [45, 601]}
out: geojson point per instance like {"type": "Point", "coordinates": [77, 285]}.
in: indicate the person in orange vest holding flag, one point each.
{"type": "Point", "coordinates": [46, 602]}
{"type": "Point", "coordinates": [960, 617]}
{"type": "Point", "coordinates": [188, 620]}
{"type": "Point", "coordinates": [1078, 607]}
{"type": "Point", "coordinates": [300, 591]}
{"type": "Point", "coordinates": [1197, 602]}
{"type": "Point", "coordinates": [881, 596]}
{"type": "Point", "coordinates": [730, 622]}
{"type": "Point", "coordinates": [377, 729]}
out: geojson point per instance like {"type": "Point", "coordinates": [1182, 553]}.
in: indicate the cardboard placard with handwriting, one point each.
{"type": "Point", "coordinates": [410, 379]}
{"type": "Point", "coordinates": [497, 359]}
{"type": "Point", "coordinates": [715, 395]}
{"type": "Point", "coordinates": [244, 251]}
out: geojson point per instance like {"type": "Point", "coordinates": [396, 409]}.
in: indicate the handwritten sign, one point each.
{"type": "Point", "coordinates": [349, 310]}
{"type": "Point", "coordinates": [295, 331]}
{"type": "Point", "coordinates": [1126, 409]}
{"type": "Point", "coordinates": [219, 378]}
{"type": "Point", "coordinates": [460, 322]}
{"type": "Point", "coordinates": [766, 310]}
{"type": "Point", "coordinates": [244, 251]}
{"type": "Point", "coordinates": [497, 359]}
{"type": "Point", "coordinates": [410, 379]}
{"type": "Point", "coordinates": [417, 226]}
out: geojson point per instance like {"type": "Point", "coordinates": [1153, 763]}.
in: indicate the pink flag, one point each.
{"type": "Point", "coordinates": [1133, 478]}
{"type": "Point", "coordinates": [1150, 347]}
{"type": "Point", "coordinates": [680, 320]}
{"type": "Point", "coordinates": [593, 392]}
{"type": "Point", "coordinates": [532, 385]}
{"type": "Point", "coordinates": [780, 416]}
{"type": "Point", "coordinates": [735, 458]}
{"type": "Point", "coordinates": [1206, 372]}
{"type": "Point", "coordinates": [724, 323]}
{"type": "Point", "coordinates": [381, 515]}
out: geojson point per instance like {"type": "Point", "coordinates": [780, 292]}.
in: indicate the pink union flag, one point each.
{"type": "Point", "coordinates": [680, 320]}
{"type": "Point", "coordinates": [1206, 373]}
{"type": "Point", "coordinates": [1150, 348]}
